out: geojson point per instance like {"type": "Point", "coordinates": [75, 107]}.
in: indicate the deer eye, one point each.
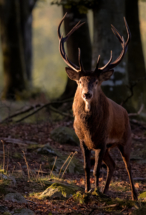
{"type": "Point", "coordinates": [79, 82]}
{"type": "Point", "coordinates": [96, 82]}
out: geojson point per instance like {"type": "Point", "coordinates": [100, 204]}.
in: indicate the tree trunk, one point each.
{"type": "Point", "coordinates": [79, 39]}
{"type": "Point", "coordinates": [105, 14]}
{"type": "Point", "coordinates": [12, 48]}
{"type": "Point", "coordinates": [136, 65]}
{"type": "Point", "coordinates": [26, 28]}
{"type": "Point", "coordinates": [16, 33]}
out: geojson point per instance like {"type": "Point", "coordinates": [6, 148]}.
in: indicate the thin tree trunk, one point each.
{"type": "Point", "coordinates": [16, 38]}
{"type": "Point", "coordinates": [26, 28]}
{"type": "Point", "coordinates": [136, 65]}
{"type": "Point", "coordinates": [81, 39]}
{"type": "Point", "coordinates": [12, 48]}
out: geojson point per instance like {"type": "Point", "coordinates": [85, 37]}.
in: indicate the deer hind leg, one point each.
{"type": "Point", "coordinates": [110, 168]}
{"type": "Point", "coordinates": [125, 152]}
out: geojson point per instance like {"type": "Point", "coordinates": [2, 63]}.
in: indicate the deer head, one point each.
{"type": "Point", "coordinates": [89, 82]}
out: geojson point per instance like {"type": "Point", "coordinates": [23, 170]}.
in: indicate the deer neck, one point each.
{"type": "Point", "coordinates": [95, 102]}
{"type": "Point", "coordinates": [87, 106]}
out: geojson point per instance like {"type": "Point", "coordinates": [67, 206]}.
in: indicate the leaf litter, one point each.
{"type": "Point", "coordinates": [30, 169]}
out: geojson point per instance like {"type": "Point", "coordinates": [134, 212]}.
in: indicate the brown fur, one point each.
{"type": "Point", "coordinates": [89, 127]}
{"type": "Point", "coordinates": [106, 125]}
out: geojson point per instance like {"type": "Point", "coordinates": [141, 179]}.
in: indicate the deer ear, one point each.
{"type": "Point", "coordinates": [106, 75]}
{"type": "Point", "coordinates": [72, 74]}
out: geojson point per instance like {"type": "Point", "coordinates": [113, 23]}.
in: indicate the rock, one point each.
{"type": "Point", "coordinates": [60, 191]}
{"type": "Point", "coordinates": [15, 197]}
{"type": "Point", "coordinates": [12, 178]}
{"type": "Point", "coordinates": [3, 209]}
{"type": "Point", "coordinates": [9, 178]}
{"type": "Point", "coordinates": [74, 167]}
{"type": "Point", "coordinates": [4, 189]}
{"type": "Point", "coordinates": [140, 211]}
{"type": "Point", "coordinates": [23, 211]}
{"type": "Point", "coordinates": [47, 150]}
{"type": "Point", "coordinates": [65, 135]}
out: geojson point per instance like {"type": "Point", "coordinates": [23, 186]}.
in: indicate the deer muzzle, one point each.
{"type": "Point", "coordinates": [87, 96]}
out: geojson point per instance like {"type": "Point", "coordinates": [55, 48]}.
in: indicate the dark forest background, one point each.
{"type": "Point", "coordinates": [41, 162]}
{"type": "Point", "coordinates": [30, 59]}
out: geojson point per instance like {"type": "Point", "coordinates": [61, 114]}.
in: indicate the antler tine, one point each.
{"type": "Point", "coordinates": [80, 60]}
{"type": "Point", "coordinates": [111, 57]}
{"type": "Point", "coordinates": [66, 60]}
{"type": "Point", "coordinates": [78, 25]}
{"type": "Point", "coordinates": [62, 40]}
{"type": "Point", "coordinates": [116, 33]}
{"type": "Point", "coordinates": [97, 64]}
{"type": "Point", "coordinates": [124, 45]}
{"type": "Point", "coordinates": [59, 34]}
{"type": "Point", "coordinates": [128, 32]}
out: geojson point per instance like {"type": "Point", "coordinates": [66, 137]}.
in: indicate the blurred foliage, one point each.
{"type": "Point", "coordinates": [88, 4]}
{"type": "Point", "coordinates": [48, 66]}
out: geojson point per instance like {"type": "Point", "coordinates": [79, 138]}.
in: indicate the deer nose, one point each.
{"type": "Point", "coordinates": [87, 96]}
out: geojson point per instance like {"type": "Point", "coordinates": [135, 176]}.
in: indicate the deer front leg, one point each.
{"type": "Point", "coordinates": [99, 154]}
{"type": "Point", "coordinates": [86, 154]}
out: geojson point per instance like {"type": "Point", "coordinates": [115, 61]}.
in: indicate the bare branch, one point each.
{"type": "Point", "coordinates": [138, 113]}
{"type": "Point", "coordinates": [60, 112]}
{"type": "Point", "coordinates": [40, 107]}
{"type": "Point", "coordinates": [131, 87]}
{"type": "Point", "coordinates": [8, 119]}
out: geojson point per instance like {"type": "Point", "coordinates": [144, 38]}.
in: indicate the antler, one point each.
{"type": "Point", "coordinates": [62, 40]}
{"type": "Point", "coordinates": [124, 45]}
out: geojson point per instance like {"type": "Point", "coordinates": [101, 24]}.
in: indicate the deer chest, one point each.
{"type": "Point", "coordinates": [91, 131]}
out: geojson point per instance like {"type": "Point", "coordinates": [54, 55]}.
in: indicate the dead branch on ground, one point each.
{"type": "Point", "coordinates": [138, 113]}
{"type": "Point", "coordinates": [39, 107]}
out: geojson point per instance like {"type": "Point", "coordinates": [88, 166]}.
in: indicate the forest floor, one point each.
{"type": "Point", "coordinates": [18, 161]}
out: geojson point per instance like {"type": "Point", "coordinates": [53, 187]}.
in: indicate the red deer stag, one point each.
{"type": "Point", "coordinates": [99, 123]}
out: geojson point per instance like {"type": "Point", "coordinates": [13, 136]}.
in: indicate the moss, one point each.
{"type": "Point", "coordinates": [17, 155]}
{"type": "Point", "coordinates": [33, 147]}
{"type": "Point", "coordinates": [56, 116]}
{"type": "Point", "coordinates": [79, 197]}
{"type": "Point", "coordinates": [97, 193]}
{"type": "Point", "coordinates": [59, 191]}
{"type": "Point", "coordinates": [6, 213]}
{"type": "Point", "coordinates": [142, 195]}
{"type": "Point", "coordinates": [65, 190]}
